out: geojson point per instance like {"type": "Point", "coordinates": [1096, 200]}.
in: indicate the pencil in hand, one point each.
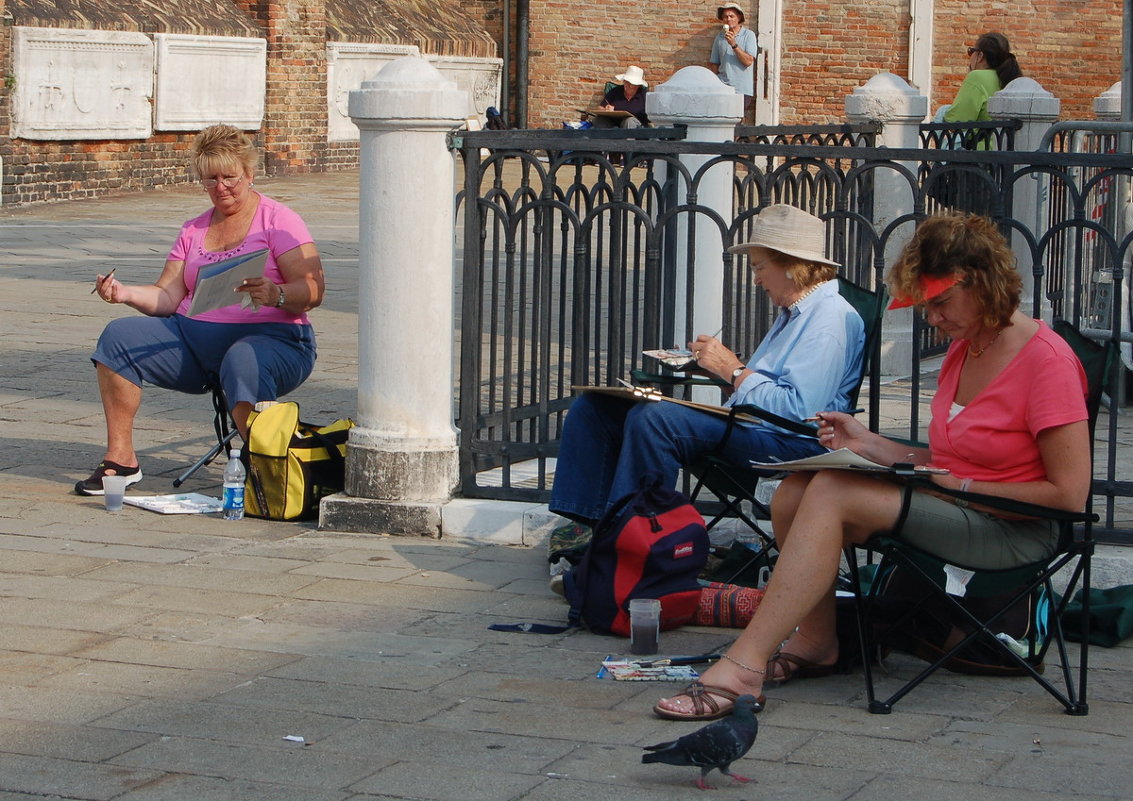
{"type": "Point", "coordinates": [104, 280]}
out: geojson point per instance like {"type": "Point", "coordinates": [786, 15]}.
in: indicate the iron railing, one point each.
{"type": "Point", "coordinates": [572, 265]}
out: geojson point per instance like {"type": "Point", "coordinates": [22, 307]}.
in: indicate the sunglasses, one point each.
{"type": "Point", "coordinates": [974, 50]}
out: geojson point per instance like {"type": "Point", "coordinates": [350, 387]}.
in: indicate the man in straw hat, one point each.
{"type": "Point", "coordinates": [809, 362]}
{"type": "Point", "coordinates": [733, 52]}
{"type": "Point", "coordinates": [628, 96]}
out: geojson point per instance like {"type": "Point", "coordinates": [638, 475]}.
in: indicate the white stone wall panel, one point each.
{"type": "Point", "coordinates": [203, 80]}
{"type": "Point", "coordinates": [349, 64]}
{"type": "Point", "coordinates": [79, 84]}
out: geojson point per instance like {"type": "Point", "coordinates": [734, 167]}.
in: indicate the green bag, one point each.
{"type": "Point", "coordinates": [1111, 616]}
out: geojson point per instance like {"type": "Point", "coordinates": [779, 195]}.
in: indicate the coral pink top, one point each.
{"type": "Point", "coordinates": [994, 438]}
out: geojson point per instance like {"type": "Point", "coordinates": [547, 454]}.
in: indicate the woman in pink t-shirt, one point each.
{"type": "Point", "coordinates": [256, 352]}
{"type": "Point", "coordinates": [1008, 419]}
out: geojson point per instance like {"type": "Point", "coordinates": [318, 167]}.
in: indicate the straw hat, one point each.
{"type": "Point", "coordinates": [634, 75]}
{"type": "Point", "coordinates": [720, 11]}
{"type": "Point", "coordinates": [788, 230]}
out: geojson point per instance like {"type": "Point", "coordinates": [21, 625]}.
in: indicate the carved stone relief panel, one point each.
{"type": "Point", "coordinates": [348, 65]}
{"type": "Point", "coordinates": [480, 77]}
{"type": "Point", "coordinates": [202, 80]}
{"type": "Point", "coordinates": [79, 84]}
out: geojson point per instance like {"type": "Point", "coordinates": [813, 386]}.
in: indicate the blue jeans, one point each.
{"type": "Point", "coordinates": [611, 446]}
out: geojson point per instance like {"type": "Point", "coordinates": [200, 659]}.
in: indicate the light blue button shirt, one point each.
{"type": "Point", "coordinates": [732, 70]}
{"type": "Point", "coordinates": [810, 361]}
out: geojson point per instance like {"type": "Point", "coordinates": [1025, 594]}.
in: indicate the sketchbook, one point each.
{"type": "Point", "coordinates": [673, 358]}
{"type": "Point", "coordinates": [846, 459]}
{"type": "Point", "coordinates": [639, 394]}
{"type": "Point", "coordinates": [217, 283]}
{"type": "Point", "coordinates": [185, 503]}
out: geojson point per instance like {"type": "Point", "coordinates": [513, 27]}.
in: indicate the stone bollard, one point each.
{"type": "Point", "coordinates": [889, 99]}
{"type": "Point", "coordinates": [1024, 99]}
{"type": "Point", "coordinates": [697, 98]}
{"type": "Point", "coordinates": [401, 463]}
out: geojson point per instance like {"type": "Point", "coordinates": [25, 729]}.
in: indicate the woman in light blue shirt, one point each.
{"type": "Point", "coordinates": [810, 361]}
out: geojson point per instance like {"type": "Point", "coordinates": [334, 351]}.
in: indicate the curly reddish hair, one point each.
{"type": "Point", "coordinates": [966, 246]}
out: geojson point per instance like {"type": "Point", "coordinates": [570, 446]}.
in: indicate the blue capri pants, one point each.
{"type": "Point", "coordinates": [250, 361]}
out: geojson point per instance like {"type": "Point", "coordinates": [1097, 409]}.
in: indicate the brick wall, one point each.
{"type": "Point", "coordinates": [295, 122]}
{"type": "Point", "coordinates": [1071, 47]}
{"type": "Point", "coordinates": [293, 136]}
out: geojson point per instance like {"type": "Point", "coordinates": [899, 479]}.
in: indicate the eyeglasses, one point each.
{"type": "Point", "coordinates": [212, 183]}
{"type": "Point", "coordinates": [974, 50]}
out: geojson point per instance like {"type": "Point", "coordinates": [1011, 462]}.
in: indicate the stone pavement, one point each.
{"type": "Point", "coordinates": [152, 658]}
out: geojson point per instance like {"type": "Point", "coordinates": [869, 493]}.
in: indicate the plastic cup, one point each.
{"type": "Point", "coordinates": [113, 491]}
{"type": "Point", "coordinates": [644, 626]}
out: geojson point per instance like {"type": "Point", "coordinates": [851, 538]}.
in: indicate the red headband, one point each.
{"type": "Point", "coordinates": [931, 286]}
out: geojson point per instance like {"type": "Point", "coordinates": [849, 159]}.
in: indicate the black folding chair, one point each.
{"type": "Point", "coordinates": [225, 432]}
{"type": "Point", "coordinates": [1075, 548]}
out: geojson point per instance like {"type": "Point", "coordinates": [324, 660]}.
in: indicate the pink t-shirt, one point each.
{"type": "Point", "coordinates": [274, 227]}
{"type": "Point", "coordinates": [993, 438]}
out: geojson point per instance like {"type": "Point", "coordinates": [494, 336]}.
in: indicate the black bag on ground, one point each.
{"type": "Point", "coordinates": [910, 618]}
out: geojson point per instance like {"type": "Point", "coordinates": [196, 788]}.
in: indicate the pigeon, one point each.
{"type": "Point", "coordinates": [717, 745]}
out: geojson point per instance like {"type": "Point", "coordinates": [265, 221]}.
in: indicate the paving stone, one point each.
{"type": "Point", "coordinates": [43, 776]}
{"type": "Point", "coordinates": [211, 788]}
{"type": "Point", "coordinates": [63, 741]}
{"type": "Point", "coordinates": [145, 681]}
{"type": "Point", "coordinates": [427, 780]}
{"type": "Point", "coordinates": [186, 655]}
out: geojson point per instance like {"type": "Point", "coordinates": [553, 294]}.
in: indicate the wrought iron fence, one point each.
{"type": "Point", "coordinates": [572, 265]}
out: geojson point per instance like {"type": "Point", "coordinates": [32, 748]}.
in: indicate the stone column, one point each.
{"type": "Point", "coordinates": [1024, 99]}
{"type": "Point", "coordinates": [401, 463]}
{"type": "Point", "coordinates": [889, 99]}
{"type": "Point", "coordinates": [696, 97]}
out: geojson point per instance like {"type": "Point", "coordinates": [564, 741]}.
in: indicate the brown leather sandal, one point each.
{"type": "Point", "coordinates": [782, 667]}
{"type": "Point", "coordinates": [704, 706]}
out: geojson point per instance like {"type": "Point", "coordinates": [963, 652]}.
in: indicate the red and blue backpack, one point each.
{"type": "Point", "coordinates": [650, 544]}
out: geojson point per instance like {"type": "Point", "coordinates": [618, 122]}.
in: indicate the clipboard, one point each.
{"type": "Point", "coordinates": [846, 459]}
{"type": "Point", "coordinates": [614, 114]}
{"type": "Point", "coordinates": [634, 394]}
{"type": "Point", "coordinates": [216, 283]}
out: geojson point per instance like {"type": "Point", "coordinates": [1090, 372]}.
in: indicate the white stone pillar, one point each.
{"type": "Point", "coordinates": [401, 462]}
{"type": "Point", "coordinates": [889, 99]}
{"type": "Point", "coordinates": [1024, 99]}
{"type": "Point", "coordinates": [697, 98]}
{"type": "Point", "coordinates": [1107, 105]}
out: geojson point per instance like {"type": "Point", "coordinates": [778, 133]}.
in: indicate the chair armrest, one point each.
{"type": "Point", "coordinates": [1007, 504]}
{"type": "Point", "coordinates": [794, 426]}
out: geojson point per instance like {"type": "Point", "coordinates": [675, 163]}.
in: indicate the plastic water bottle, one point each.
{"type": "Point", "coordinates": [234, 487]}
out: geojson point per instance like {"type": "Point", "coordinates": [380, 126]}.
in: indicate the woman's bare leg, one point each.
{"type": "Point", "coordinates": [833, 507]}
{"type": "Point", "coordinates": [121, 400]}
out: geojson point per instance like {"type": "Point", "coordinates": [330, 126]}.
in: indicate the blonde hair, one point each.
{"type": "Point", "coordinates": [220, 146]}
{"type": "Point", "coordinates": [966, 246]}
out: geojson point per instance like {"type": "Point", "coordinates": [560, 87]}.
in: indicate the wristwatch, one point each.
{"type": "Point", "coordinates": [737, 372]}
{"type": "Point", "coordinates": [282, 297]}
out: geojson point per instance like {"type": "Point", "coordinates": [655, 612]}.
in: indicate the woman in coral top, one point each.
{"type": "Point", "coordinates": [1008, 419]}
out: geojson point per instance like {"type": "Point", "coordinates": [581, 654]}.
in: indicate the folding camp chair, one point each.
{"type": "Point", "coordinates": [733, 485]}
{"type": "Point", "coordinates": [225, 432]}
{"type": "Point", "coordinates": [1075, 548]}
